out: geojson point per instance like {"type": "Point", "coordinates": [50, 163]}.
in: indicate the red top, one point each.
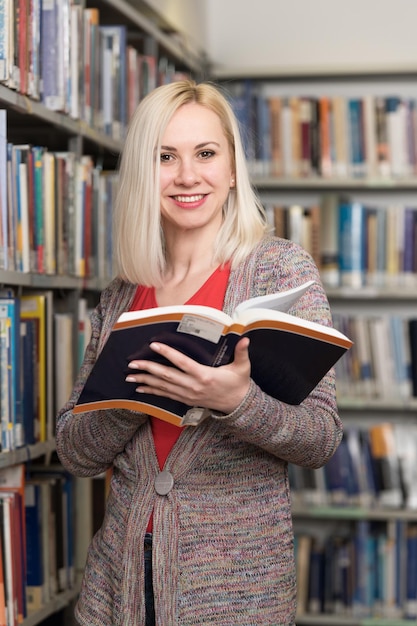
{"type": "Point", "coordinates": [211, 293]}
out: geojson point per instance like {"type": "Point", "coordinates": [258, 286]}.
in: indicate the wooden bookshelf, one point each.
{"type": "Point", "coordinates": [326, 520]}
{"type": "Point", "coordinates": [60, 126]}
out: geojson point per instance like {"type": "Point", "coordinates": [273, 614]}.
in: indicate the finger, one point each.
{"type": "Point", "coordinates": [242, 351]}
{"type": "Point", "coordinates": [177, 358]}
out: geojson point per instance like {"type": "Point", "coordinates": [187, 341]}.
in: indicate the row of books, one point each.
{"type": "Point", "coordinates": [353, 244]}
{"type": "Point", "coordinates": [327, 136]}
{"type": "Point", "coordinates": [374, 466]}
{"type": "Point", "coordinates": [36, 539]}
{"type": "Point", "coordinates": [78, 66]}
{"type": "Point", "coordinates": [56, 211]}
{"type": "Point", "coordinates": [37, 347]}
{"type": "Point", "coordinates": [361, 570]}
{"type": "Point", "coordinates": [382, 363]}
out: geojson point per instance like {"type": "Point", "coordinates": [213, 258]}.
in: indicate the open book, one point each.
{"type": "Point", "coordinates": [289, 355]}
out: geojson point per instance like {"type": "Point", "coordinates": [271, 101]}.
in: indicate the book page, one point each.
{"type": "Point", "coordinates": [281, 301]}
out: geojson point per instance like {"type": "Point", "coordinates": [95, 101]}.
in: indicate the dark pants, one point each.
{"type": "Point", "coordinates": [149, 600]}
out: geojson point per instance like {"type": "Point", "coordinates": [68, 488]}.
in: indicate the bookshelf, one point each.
{"type": "Point", "coordinates": [54, 98]}
{"type": "Point", "coordinates": [316, 186]}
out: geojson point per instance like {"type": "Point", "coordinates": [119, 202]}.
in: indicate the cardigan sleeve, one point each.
{"type": "Point", "coordinates": [87, 443]}
{"type": "Point", "coordinates": [307, 434]}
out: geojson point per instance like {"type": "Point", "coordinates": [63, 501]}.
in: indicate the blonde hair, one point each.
{"type": "Point", "coordinates": [138, 235]}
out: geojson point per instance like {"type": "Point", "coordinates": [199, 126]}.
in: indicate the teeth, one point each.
{"type": "Point", "coordinates": [189, 198]}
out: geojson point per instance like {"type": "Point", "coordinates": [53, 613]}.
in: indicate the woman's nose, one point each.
{"type": "Point", "coordinates": [187, 173]}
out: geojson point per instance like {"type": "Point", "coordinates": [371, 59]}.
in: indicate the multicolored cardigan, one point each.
{"type": "Point", "coordinates": [223, 538]}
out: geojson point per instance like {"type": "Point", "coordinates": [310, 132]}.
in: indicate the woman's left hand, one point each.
{"type": "Point", "coordinates": [217, 388]}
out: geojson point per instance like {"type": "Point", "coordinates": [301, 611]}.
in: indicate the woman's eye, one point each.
{"type": "Point", "coordinates": [165, 158]}
{"type": "Point", "coordinates": [206, 154]}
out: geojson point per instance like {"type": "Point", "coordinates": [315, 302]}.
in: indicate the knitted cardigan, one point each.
{"type": "Point", "coordinates": [222, 537]}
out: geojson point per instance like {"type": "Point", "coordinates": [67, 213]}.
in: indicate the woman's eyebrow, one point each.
{"type": "Point", "coordinates": [198, 146]}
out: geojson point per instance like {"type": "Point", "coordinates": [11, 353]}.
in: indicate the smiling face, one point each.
{"type": "Point", "coordinates": [196, 171]}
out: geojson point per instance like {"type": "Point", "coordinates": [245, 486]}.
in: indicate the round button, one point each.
{"type": "Point", "coordinates": [164, 482]}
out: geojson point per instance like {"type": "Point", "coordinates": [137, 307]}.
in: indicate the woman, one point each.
{"type": "Point", "coordinates": [190, 229]}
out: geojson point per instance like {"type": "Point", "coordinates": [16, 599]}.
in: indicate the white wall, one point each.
{"type": "Point", "coordinates": [186, 16]}
{"type": "Point", "coordinates": [291, 34]}
{"type": "Point", "coordinates": [296, 35]}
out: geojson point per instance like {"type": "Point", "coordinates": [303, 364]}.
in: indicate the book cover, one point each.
{"type": "Point", "coordinates": [382, 147]}
{"type": "Point", "coordinates": [386, 464]}
{"type": "Point", "coordinates": [4, 245]}
{"type": "Point", "coordinates": [64, 368]}
{"type": "Point", "coordinates": [35, 575]}
{"type": "Point", "coordinates": [410, 605]}
{"type": "Point", "coordinates": [316, 577]}
{"type": "Point", "coordinates": [3, 616]}
{"type": "Point", "coordinates": [5, 397]}
{"type": "Point", "coordinates": [61, 509]}
{"type": "Point", "coordinates": [355, 130]}
{"type": "Point", "coordinates": [4, 40]}
{"type": "Point", "coordinates": [39, 306]}
{"type": "Point", "coordinates": [326, 161]}
{"type": "Point", "coordinates": [23, 45]}
{"type": "Point", "coordinates": [10, 310]}
{"type": "Point", "coordinates": [329, 243]}
{"type": "Point", "coordinates": [116, 35]}
{"type": "Point", "coordinates": [395, 114]}
{"type": "Point", "coordinates": [21, 173]}
{"type": "Point", "coordinates": [76, 60]}
{"type": "Point", "coordinates": [289, 355]}
{"type": "Point", "coordinates": [12, 489]}
{"type": "Point", "coordinates": [383, 362]}
{"type": "Point", "coordinates": [49, 212]}
{"type": "Point", "coordinates": [34, 69]}
{"type": "Point", "coordinates": [352, 244]}
{"type": "Point", "coordinates": [38, 217]}
{"type": "Point", "coordinates": [8, 543]}
{"type": "Point", "coordinates": [341, 139]}
{"type": "Point", "coordinates": [29, 352]}
{"type": "Point", "coordinates": [275, 106]}
{"type": "Point", "coordinates": [302, 549]}
{"type": "Point", "coordinates": [52, 95]}
{"type": "Point", "coordinates": [305, 134]}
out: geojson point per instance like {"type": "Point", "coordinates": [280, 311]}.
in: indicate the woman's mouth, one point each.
{"type": "Point", "coordinates": [189, 199]}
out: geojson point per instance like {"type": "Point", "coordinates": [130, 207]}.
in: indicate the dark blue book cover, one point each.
{"type": "Point", "coordinates": [34, 562]}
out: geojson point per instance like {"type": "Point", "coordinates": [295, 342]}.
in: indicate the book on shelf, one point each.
{"type": "Point", "coordinates": [381, 361]}
{"type": "Point", "coordinates": [3, 615]}
{"type": "Point", "coordinates": [3, 191]}
{"type": "Point", "coordinates": [302, 552]}
{"type": "Point", "coordinates": [289, 355]}
{"type": "Point", "coordinates": [12, 486]}
{"type": "Point", "coordinates": [52, 55]}
{"type": "Point", "coordinates": [61, 518]}
{"type": "Point", "coordinates": [11, 412]}
{"type": "Point", "coordinates": [63, 357]}
{"type": "Point", "coordinates": [75, 60]}
{"type": "Point", "coordinates": [411, 573]}
{"type": "Point", "coordinates": [352, 244]}
{"type": "Point", "coordinates": [331, 136]}
{"type": "Point", "coordinates": [386, 464]}
{"type": "Point", "coordinates": [373, 466]}
{"type": "Point", "coordinates": [38, 306]}
{"type": "Point", "coordinates": [114, 79]}
{"type": "Point", "coordinates": [35, 566]}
